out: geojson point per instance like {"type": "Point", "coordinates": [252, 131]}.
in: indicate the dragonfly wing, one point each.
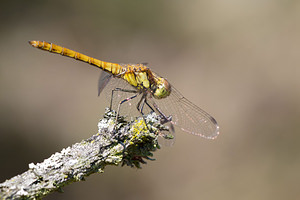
{"type": "Point", "coordinates": [189, 117]}
{"type": "Point", "coordinates": [103, 81]}
{"type": "Point", "coordinates": [128, 108]}
{"type": "Point", "coordinates": [144, 63]}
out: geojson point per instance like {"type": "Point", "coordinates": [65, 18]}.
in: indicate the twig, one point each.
{"type": "Point", "coordinates": [127, 143]}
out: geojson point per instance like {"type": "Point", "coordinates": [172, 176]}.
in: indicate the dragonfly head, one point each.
{"type": "Point", "coordinates": [162, 88]}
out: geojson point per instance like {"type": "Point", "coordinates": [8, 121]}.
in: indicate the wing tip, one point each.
{"type": "Point", "coordinates": [216, 133]}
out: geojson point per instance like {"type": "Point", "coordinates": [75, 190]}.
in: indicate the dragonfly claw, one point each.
{"type": "Point", "coordinates": [165, 119]}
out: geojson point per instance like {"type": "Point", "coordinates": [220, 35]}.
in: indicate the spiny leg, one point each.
{"type": "Point", "coordinates": [149, 105]}
{"type": "Point", "coordinates": [140, 106]}
{"type": "Point", "coordinates": [119, 89]}
{"type": "Point", "coordinates": [118, 110]}
{"type": "Point", "coordinates": [166, 119]}
{"type": "Point", "coordinates": [121, 102]}
{"type": "Point", "coordinates": [141, 101]}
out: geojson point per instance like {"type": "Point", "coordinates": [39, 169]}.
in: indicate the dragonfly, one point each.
{"type": "Point", "coordinates": [149, 88]}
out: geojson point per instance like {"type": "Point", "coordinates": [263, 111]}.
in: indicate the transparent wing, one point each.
{"type": "Point", "coordinates": [186, 115]}
{"type": "Point", "coordinates": [103, 81]}
{"type": "Point", "coordinates": [128, 108]}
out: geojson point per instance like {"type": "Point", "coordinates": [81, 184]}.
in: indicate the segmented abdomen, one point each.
{"type": "Point", "coordinates": [113, 68]}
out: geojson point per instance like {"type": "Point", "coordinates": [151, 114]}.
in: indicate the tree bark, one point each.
{"type": "Point", "coordinates": [125, 143]}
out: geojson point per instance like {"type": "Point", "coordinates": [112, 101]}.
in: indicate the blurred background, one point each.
{"type": "Point", "coordinates": [238, 60]}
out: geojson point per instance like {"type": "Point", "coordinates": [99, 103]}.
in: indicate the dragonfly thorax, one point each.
{"type": "Point", "coordinates": [161, 89]}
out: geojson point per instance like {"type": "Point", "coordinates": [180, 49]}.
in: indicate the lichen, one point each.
{"type": "Point", "coordinates": [122, 142]}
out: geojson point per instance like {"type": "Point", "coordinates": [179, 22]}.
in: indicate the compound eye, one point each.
{"type": "Point", "coordinates": [161, 91]}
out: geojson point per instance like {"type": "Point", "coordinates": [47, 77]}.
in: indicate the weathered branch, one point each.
{"type": "Point", "coordinates": [127, 143]}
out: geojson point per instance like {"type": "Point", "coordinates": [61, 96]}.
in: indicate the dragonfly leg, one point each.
{"type": "Point", "coordinates": [123, 101]}
{"type": "Point", "coordinates": [166, 119]}
{"type": "Point", "coordinates": [149, 105]}
{"type": "Point", "coordinates": [119, 89]}
{"type": "Point", "coordinates": [119, 106]}
{"type": "Point", "coordinates": [140, 106]}
{"type": "Point", "coordinates": [141, 102]}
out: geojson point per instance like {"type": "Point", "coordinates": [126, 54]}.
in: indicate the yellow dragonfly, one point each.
{"type": "Point", "coordinates": [153, 91]}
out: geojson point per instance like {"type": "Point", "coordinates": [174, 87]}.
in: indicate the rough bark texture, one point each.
{"type": "Point", "coordinates": [127, 143]}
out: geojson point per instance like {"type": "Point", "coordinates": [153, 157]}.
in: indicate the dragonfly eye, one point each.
{"type": "Point", "coordinates": [163, 89]}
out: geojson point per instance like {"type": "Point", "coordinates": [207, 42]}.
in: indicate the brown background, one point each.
{"type": "Point", "coordinates": [238, 60]}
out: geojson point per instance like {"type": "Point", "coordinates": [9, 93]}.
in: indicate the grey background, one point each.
{"type": "Point", "coordinates": [238, 60]}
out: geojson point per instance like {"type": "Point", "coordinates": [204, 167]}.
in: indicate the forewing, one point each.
{"type": "Point", "coordinates": [189, 117]}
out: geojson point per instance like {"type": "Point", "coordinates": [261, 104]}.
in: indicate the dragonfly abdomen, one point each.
{"type": "Point", "coordinates": [113, 68]}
